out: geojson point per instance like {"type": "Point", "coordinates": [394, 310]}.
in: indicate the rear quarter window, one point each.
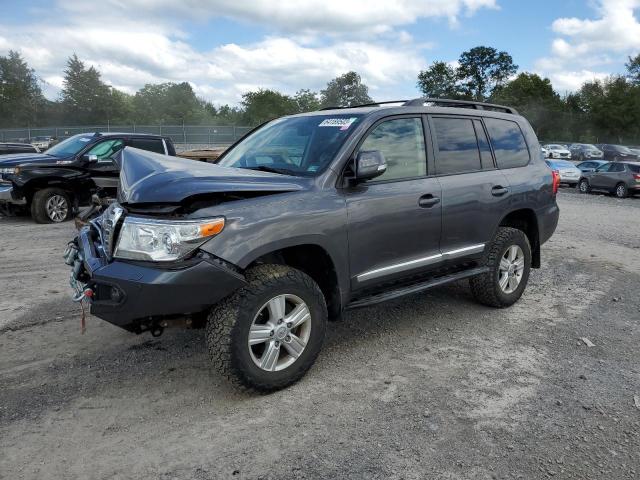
{"type": "Point", "coordinates": [634, 168]}
{"type": "Point", "coordinates": [509, 145]}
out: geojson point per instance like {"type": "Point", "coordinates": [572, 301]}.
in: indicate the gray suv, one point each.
{"type": "Point", "coordinates": [619, 178]}
{"type": "Point", "coordinates": [314, 214]}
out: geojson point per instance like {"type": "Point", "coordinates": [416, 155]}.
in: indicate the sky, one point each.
{"type": "Point", "coordinates": [225, 48]}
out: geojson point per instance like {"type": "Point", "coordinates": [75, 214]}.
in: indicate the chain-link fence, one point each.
{"type": "Point", "coordinates": [180, 134]}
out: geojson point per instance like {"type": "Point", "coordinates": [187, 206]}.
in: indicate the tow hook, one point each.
{"type": "Point", "coordinates": [87, 294]}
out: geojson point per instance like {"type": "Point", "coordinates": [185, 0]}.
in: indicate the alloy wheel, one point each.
{"type": "Point", "coordinates": [57, 208]}
{"type": "Point", "coordinates": [279, 332]}
{"type": "Point", "coordinates": [621, 191]}
{"type": "Point", "coordinates": [511, 269]}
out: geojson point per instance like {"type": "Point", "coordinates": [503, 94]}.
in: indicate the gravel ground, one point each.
{"type": "Point", "coordinates": [430, 386]}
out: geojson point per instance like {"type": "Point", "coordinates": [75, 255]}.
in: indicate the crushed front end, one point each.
{"type": "Point", "coordinates": [140, 294]}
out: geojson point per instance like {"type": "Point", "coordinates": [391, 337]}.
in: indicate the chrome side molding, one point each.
{"type": "Point", "coordinates": [420, 262]}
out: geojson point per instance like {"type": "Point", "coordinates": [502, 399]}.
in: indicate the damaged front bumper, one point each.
{"type": "Point", "coordinates": [135, 296]}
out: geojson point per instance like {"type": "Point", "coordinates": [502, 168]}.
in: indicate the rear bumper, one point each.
{"type": "Point", "coordinates": [131, 295]}
{"type": "Point", "coordinates": [7, 195]}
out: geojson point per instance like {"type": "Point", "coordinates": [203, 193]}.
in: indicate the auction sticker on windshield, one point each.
{"type": "Point", "coordinates": [342, 123]}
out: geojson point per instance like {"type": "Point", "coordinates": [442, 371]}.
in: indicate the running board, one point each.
{"type": "Point", "coordinates": [415, 288]}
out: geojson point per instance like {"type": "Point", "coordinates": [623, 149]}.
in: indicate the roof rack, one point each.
{"type": "Point", "coordinates": [437, 102]}
{"type": "Point", "coordinates": [372, 104]}
{"type": "Point", "coordinates": [445, 102]}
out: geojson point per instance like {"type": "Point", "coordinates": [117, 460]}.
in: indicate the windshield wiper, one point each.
{"type": "Point", "coordinates": [264, 168]}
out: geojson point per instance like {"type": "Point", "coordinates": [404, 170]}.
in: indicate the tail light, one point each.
{"type": "Point", "coordinates": [637, 177]}
{"type": "Point", "coordinates": [556, 181]}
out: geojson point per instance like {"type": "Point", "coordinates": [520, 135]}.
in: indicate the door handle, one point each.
{"type": "Point", "coordinates": [499, 191]}
{"type": "Point", "coordinates": [428, 201]}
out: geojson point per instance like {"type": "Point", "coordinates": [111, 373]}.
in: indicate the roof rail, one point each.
{"type": "Point", "coordinates": [372, 104]}
{"type": "Point", "coordinates": [445, 102]}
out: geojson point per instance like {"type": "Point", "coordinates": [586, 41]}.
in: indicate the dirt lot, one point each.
{"type": "Point", "coordinates": [431, 386]}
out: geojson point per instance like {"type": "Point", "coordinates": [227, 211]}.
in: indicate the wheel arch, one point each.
{"type": "Point", "coordinates": [526, 219]}
{"type": "Point", "coordinates": [315, 261]}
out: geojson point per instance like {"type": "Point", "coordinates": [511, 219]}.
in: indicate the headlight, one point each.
{"type": "Point", "coordinates": [9, 171]}
{"type": "Point", "coordinates": [163, 240]}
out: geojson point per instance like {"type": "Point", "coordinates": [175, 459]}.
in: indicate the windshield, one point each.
{"type": "Point", "coordinates": [555, 147]}
{"type": "Point", "coordinates": [622, 149]}
{"type": "Point", "coordinates": [70, 146]}
{"type": "Point", "coordinates": [294, 145]}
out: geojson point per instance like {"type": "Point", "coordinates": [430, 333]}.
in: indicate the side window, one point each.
{"type": "Point", "coordinates": [150, 144]}
{"type": "Point", "coordinates": [486, 157]}
{"type": "Point", "coordinates": [105, 150]}
{"type": "Point", "coordinates": [508, 142]}
{"type": "Point", "coordinates": [616, 167]}
{"type": "Point", "coordinates": [401, 141]}
{"type": "Point", "coordinates": [456, 146]}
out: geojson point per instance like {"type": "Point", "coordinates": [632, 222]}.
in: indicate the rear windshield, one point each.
{"type": "Point", "coordinates": [301, 146]}
{"type": "Point", "coordinates": [561, 164]}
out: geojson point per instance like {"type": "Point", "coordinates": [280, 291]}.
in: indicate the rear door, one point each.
{"type": "Point", "coordinates": [475, 194]}
{"type": "Point", "coordinates": [394, 220]}
{"type": "Point", "coordinates": [155, 145]}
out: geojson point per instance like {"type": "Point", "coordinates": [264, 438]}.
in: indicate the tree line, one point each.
{"type": "Point", "coordinates": [600, 111]}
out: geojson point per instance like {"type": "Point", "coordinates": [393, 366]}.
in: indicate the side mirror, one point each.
{"type": "Point", "coordinates": [369, 164]}
{"type": "Point", "coordinates": [90, 158]}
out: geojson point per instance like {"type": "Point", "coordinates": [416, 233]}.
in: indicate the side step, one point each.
{"type": "Point", "coordinates": [415, 288]}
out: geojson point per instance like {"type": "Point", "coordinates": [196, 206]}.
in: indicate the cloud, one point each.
{"type": "Point", "coordinates": [584, 46]}
{"type": "Point", "coordinates": [324, 16]}
{"type": "Point", "coordinates": [310, 43]}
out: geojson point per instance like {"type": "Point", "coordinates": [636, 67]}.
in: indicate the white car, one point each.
{"type": "Point", "coordinates": [569, 173]}
{"type": "Point", "coordinates": [558, 151]}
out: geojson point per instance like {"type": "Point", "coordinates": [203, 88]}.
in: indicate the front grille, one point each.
{"type": "Point", "coordinates": [110, 223]}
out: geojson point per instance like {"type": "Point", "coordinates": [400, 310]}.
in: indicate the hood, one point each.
{"type": "Point", "coordinates": [147, 177]}
{"type": "Point", "coordinates": [15, 159]}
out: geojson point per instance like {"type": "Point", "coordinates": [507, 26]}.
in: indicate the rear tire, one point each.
{"type": "Point", "coordinates": [509, 262]}
{"type": "Point", "coordinates": [622, 191]}
{"type": "Point", "coordinates": [260, 310]}
{"type": "Point", "coordinates": [51, 205]}
{"type": "Point", "coordinates": [583, 186]}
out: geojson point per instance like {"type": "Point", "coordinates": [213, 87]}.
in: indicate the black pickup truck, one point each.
{"type": "Point", "coordinates": [50, 185]}
{"type": "Point", "coordinates": [314, 214]}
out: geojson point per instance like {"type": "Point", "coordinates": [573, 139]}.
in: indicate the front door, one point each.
{"type": "Point", "coordinates": [105, 172]}
{"type": "Point", "coordinates": [607, 177]}
{"type": "Point", "coordinates": [394, 220]}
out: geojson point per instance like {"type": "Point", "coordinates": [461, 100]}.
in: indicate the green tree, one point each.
{"type": "Point", "coordinates": [633, 69]}
{"type": "Point", "coordinates": [168, 103]}
{"type": "Point", "coordinates": [345, 91]}
{"type": "Point", "coordinates": [482, 69]}
{"type": "Point", "coordinates": [264, 105]}
{"type": "Point", "coordinates": [85, 98]}
{"type": "Point", "coordinates": [440, 80]}
{"type": "Point", "coordinates": [306, 100]}
{"type": "Point", "coordinates": [535, 99]}
{"type": "Point", "coordinates": [613, 106]}
{"type": "Point", "coordinates": [21, 99]}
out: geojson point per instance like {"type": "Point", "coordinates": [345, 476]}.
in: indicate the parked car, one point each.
{"type": "Point", "coordinates": [545, 152]}
{"type": "Point", "coordinates": [585, 151]}
{"type": "Point", "coordinates": [591, 165]}
{"type": "Point", "coordinates": [12, 148]}
{"type": "Point", "coordinates": [313, 214]}
{"type": "Point", "coordinates": [569, 173]}
{"type": "Point", "coordinates": [558, 151]}
{"type": "Point", "coordinates": [616, 153]}
{"type": "Point", "coordinates": [620, 178]}
{"type": "Point", "coordinates": [43, 143]}
{"type": "Point", "coordinates": [51, 184]}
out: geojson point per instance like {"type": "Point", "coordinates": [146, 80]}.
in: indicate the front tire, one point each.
{"type": "Point", "coordinates": [268, 334]}
{"type": "Point", "coordinates": [583, 186]}
{"type": "Point", "coordinates": [622, 191]}
{"type": "Point", "coordinates": [51, 205]}
{"type": "Point", "coordinates": [509, 262]}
